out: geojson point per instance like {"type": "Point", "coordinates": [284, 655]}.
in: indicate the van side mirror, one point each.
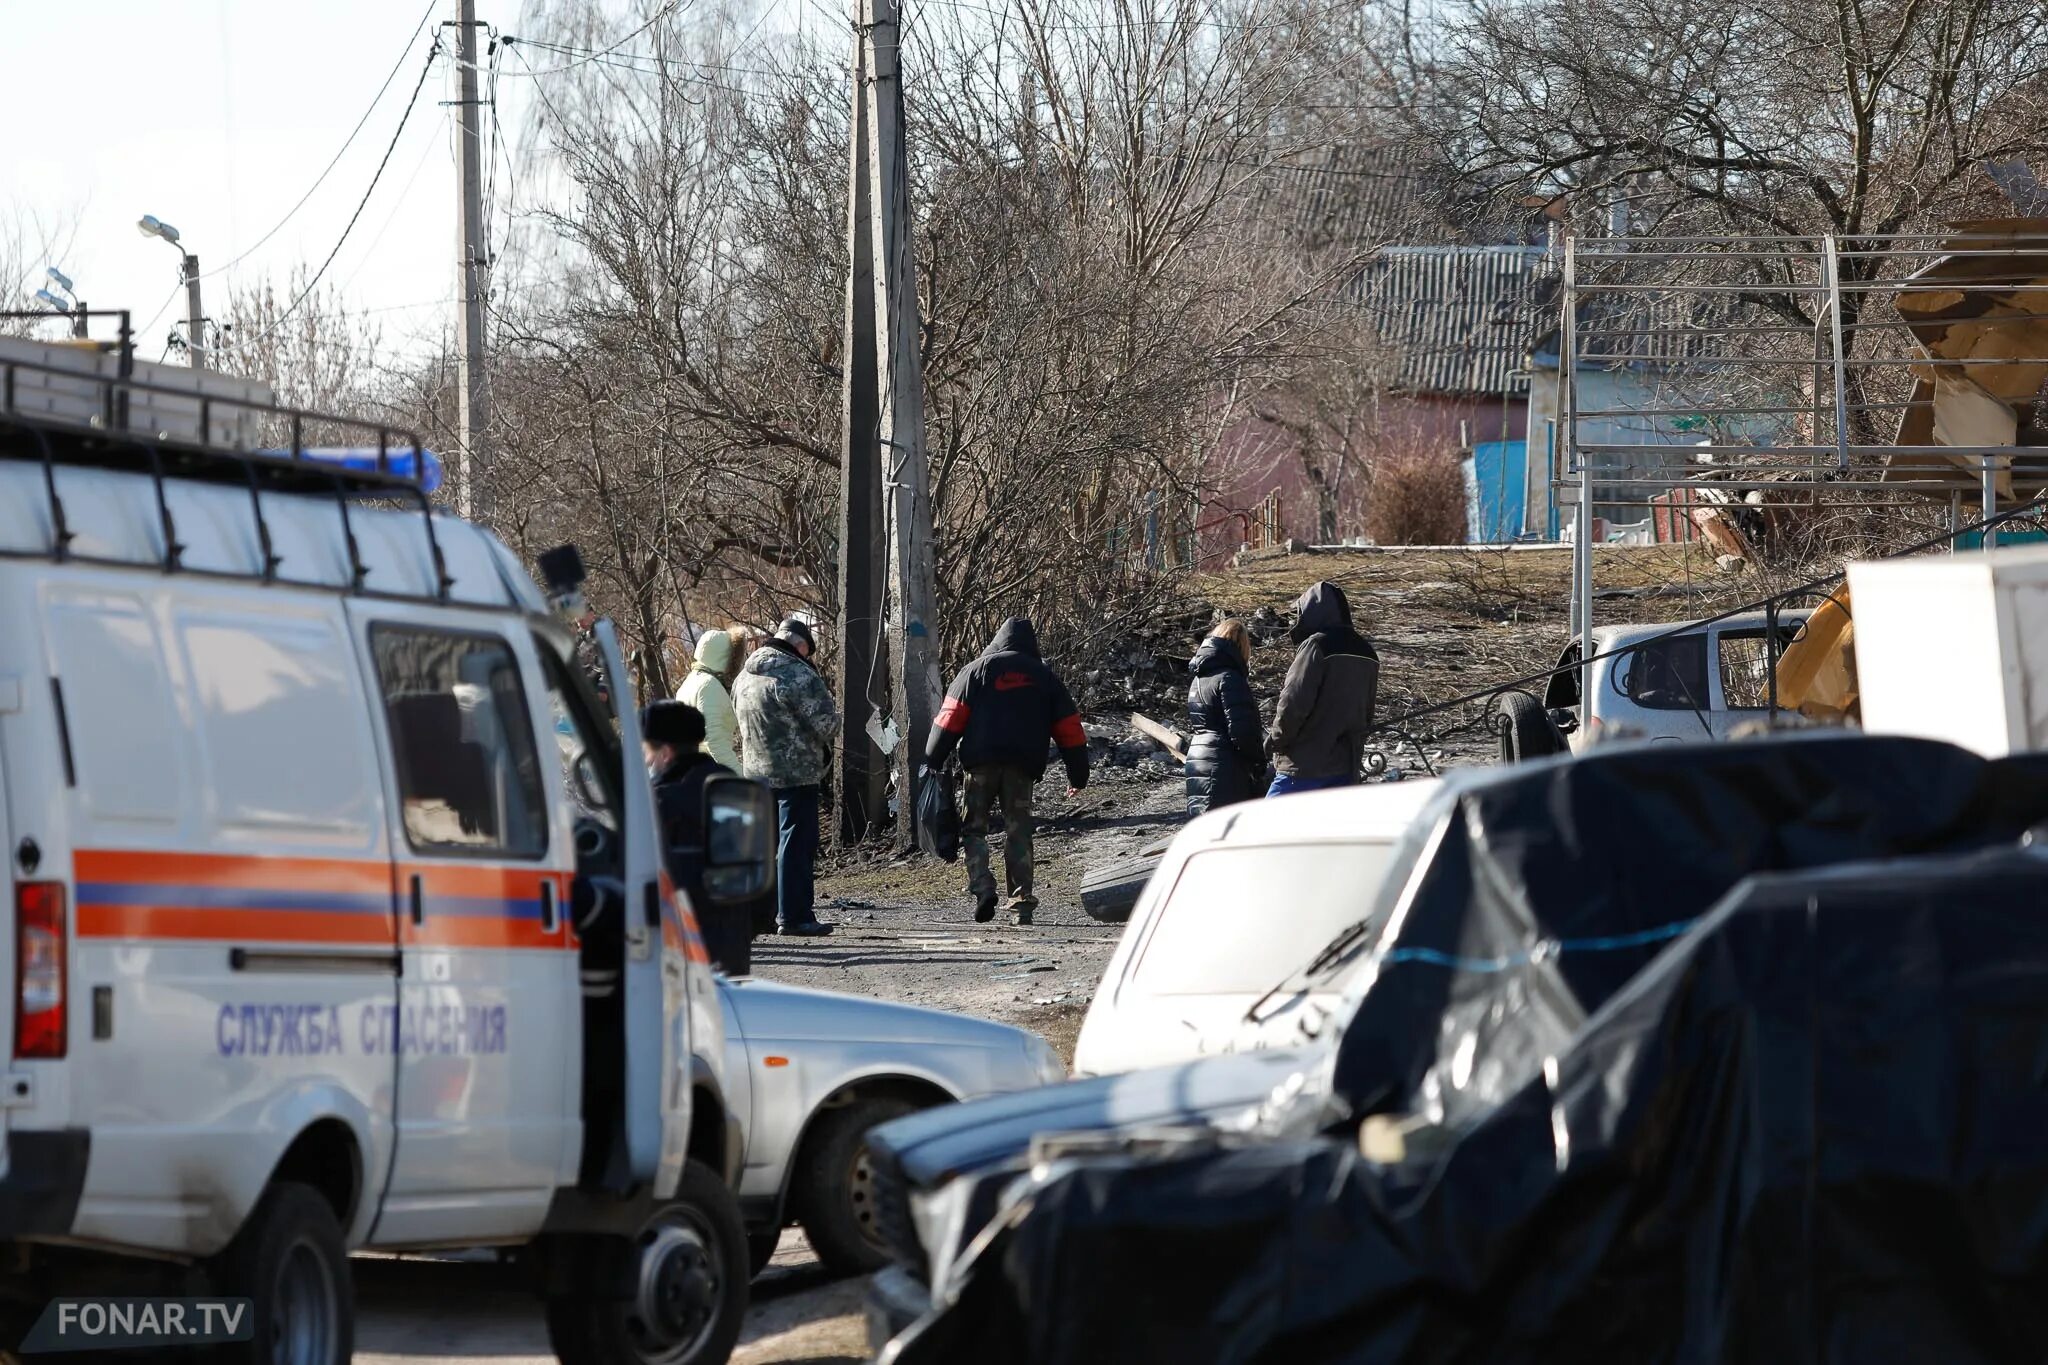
{"type": "Point", "coordinates": [739, 839]}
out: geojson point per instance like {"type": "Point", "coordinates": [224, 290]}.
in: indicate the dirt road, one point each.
{"type": "Point", "coordinates": [906, 928]}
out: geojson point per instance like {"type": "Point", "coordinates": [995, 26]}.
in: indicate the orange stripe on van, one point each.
{"type": "Point", "coordinates": [210, 897]}
{"type": "Point", "coordinates": [208, 925]}
{"type": "Point", "coordinates": [230, 869]}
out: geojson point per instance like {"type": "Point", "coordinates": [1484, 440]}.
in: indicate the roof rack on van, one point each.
{"type": "Point", "coordinates": [82, 403]}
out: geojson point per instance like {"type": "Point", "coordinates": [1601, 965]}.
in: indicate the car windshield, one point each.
{"type": "Point", "coordinates": [1239, 919]}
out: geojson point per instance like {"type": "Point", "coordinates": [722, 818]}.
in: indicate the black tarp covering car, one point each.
{"type": "Point", "coordinates": [1786, 1102]}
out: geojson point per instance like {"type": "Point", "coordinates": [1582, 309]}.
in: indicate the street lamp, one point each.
{"type": "Point", "coordinates": [195, 325]}
{"type": "Point", "coordinates": [68, 303]}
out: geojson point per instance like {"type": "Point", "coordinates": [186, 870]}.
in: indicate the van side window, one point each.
{"type": "Point", "coordinates": [462, 736]}
{"type": "Point", "coordinates": [123, 726]}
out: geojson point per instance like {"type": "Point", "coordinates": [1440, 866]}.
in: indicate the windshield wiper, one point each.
{"type": "Point", "coordinates": [1336, 950]}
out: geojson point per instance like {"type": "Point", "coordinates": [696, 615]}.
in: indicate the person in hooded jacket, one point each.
{"type": "Point", "coordinates": [704, 687]}
{"type": "Point", "coordinates": [1001, 713]}
{"type": "Point", "coordinates": [1326, 705]}
{"type": "Point", "coordinates": [672, 736]}
{"type": "Point", "coordinates": [1227, 746]}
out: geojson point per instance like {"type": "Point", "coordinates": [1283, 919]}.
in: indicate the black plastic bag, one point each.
{"type": "Point", "coordinates": [938, 815]}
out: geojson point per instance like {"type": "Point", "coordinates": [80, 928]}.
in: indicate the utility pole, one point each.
{"type": "Point", "coordinates": [906, 495]}
{"type": "Point", "coordinates": [472, 389]}
{"type": "Point", "coordinates": [195, 316]}
{"type": "Point", "coordinates": [863, 771]}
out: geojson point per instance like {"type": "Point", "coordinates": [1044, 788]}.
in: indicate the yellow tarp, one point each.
{"type": "Point", "coordinates": [1817, 672]}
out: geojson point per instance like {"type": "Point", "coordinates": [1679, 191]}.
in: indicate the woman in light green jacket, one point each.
{"type": "Point", "coordinates": [704, 688]}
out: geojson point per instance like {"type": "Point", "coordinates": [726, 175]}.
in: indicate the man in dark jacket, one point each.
{"type": "Point", "coordinates": [1226, 760]}
{"type": "Point", "coordinates": [1001, 712]}
{"type": "Point", "coordinates": [1326, 704]}
{"type": "Point", "coordinates": [672, 735]}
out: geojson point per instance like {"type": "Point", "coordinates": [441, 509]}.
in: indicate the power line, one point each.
{"type": "Point", "coordinates": [661, 14]}
{"type": "Point", "coordinates": [426, 68]}
{"type": "Point", "coordinates": [397, 208]}
{"type": "Point", "coordinates": [360, 123]}
{"type": "Point", "coordinates": [658, 63]}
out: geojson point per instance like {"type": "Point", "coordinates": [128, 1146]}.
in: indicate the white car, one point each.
{"type": "Point", "coordinates": [813, 1071]}
{"type": "Point", "coordinates": [1244, 897]}
{"type": "Point", "coordinates": [1676, 680]}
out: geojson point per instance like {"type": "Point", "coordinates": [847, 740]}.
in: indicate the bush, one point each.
{"type": "Point", "coordinates": [1418, 497]}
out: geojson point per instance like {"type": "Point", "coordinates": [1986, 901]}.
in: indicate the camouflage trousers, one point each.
{"type": "Point", "coordinates": [988, 789]}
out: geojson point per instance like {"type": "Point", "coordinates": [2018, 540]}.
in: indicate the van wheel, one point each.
{"type": "Point", "coordinates": [290, 1261]}
{"type": "Point", "coordinates": [688, 1271]}
{"type": "Point", "coordinates": [837, 1196]}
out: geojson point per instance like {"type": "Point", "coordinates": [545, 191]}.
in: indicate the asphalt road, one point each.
{"type": "Point", "coordinates": [473, 1310]}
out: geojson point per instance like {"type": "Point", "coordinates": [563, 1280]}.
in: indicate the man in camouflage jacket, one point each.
{"type": "Point", "coordinates": [787, 722]}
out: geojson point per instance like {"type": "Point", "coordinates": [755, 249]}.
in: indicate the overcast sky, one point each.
{"type": "Point", "coordinates": [216, 116]}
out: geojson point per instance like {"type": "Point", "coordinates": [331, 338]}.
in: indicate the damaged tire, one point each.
{"type": "Point", "coordinates": [1110, 892]}
{"type": "Point", "coordinates": [1526, 730]}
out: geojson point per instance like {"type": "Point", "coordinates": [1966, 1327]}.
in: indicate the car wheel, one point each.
{"type": "Point", "coordinates": [290, 1261]}
{"type": "Point", "coordinates": [688, 1269]}
{"type": "Point", "coordinates": [1526, 730]}
{"type": "Point", "coordinates": [837, 1195]}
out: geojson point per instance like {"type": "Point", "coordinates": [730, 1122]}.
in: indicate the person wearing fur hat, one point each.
{"type": "Point", "coordinates": [672, 741]}
{"type": "Point", "coordinates": [788, 722]}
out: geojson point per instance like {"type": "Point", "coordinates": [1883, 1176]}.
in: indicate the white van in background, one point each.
{"type": "Point", "coordinates": [320, 938]}
{"type": "Point", "coordinates": [1243, 899]}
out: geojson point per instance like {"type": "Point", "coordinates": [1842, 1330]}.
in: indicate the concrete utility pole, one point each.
{"type": "Point", "coordinates": [863, 771]}
{"type": "Point", "coordinates": [195, 316]}
{"type": "Point", "coordinates": [472, 390]}
{"type": "Point", "coordinates": [906, 495]}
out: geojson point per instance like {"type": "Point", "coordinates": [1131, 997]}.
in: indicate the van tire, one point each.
{"type": "Point", "coordinates": [707, 1240]}
{"type": "Point", "coordinates": [291, 1261]}
{"type": "Point", "coordinates": [1526, 730]}
{"type": "Point", "coordinates": [837, 1194]}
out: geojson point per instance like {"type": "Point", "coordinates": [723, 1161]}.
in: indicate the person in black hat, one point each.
{"type": "Point", "coordinates": [672, 738]}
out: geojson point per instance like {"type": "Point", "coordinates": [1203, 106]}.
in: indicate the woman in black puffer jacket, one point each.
{"type": "Point", "coordinates": [1226, 745]}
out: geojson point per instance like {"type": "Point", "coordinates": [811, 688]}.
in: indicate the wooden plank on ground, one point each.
{"type": "Point", "coordinates": [1159, 734]}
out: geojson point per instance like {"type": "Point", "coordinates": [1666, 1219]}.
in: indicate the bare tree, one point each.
{"type": "Point", "coordinates": [1860, 118]}
{"type": "Point", "coordinates": [1094, 291]}
{"type": "Point", "coordinates": [304, 343]}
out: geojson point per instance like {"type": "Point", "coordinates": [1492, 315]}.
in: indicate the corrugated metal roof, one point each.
{"type": "Point", "coordinates": [1354, 197]}
{"type": "Point", "coordinates": [1458, 319]}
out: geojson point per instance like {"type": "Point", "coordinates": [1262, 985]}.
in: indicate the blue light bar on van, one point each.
{"type": "Point", "coordinates": [397, 463]}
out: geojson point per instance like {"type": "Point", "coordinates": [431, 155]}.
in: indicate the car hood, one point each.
{"type": "Point", "coordinates": [927, 1149]}
{"type": "Point", "coordinates": [767, 1009]}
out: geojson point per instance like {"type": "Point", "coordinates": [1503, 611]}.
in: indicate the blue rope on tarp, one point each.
{"type": "Point", "coordinates": [1542, 952]}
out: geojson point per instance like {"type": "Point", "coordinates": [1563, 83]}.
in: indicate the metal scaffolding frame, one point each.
{"type": "Point", "coordinates": [1758, 325]}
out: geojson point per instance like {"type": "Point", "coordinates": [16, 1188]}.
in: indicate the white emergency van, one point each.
{"type": "Point", "coordinates": [338, 919]}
